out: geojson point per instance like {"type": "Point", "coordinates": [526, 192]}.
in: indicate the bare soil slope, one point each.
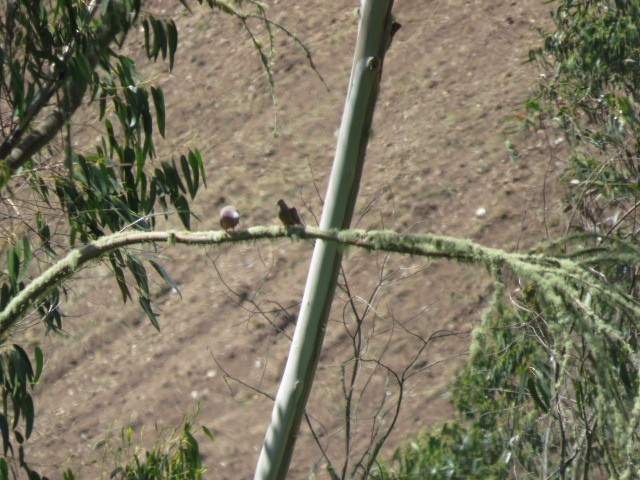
{"type": "Point", "coordinates": [455, 71]}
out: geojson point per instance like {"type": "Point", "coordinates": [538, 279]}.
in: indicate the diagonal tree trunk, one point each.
{"type": "Point", "coordinates": [374, 37]}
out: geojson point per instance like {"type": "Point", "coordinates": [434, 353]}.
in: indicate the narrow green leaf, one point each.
{"type": "Point", "coordinates": [28, 415]}
{"type": "Point", "coordinates": [195, 168]}
{"type": "Point", "coordinates": [44, 233]}
{"type": "Point", "coordinates": [17, 83]}
{"type": "Point", "coordinates": [159, 39]}
{"type": "Point", "coordinates": [543, 387]}
{"type": "Point", "coordinates": [172, 178]}
{"type": "Point", "coordinates": [172, 35]}
{"type": "Point", "coordinates": [166, 277]}
{"type": "Point", "coordinates": [5, 295]}
{"type": "Point", "coordinates": [198, 157]}
{"type": "Point", "coordinates": [207, 432]}
{"type": "Point", "coordinates": [4, 469]}
{"type": "Point", "coordinates": [13, 265]}
{"type": "Point", "coordinates": [139, 273]}
{"type": "Point", "coordinates": [186, 173]}
{"type": "Point", "coordinates": [153, 192]}
{"type": "Point", "coordinates": [533, 390]}
{"type": "Point", "coordinates": [116, 260]}
{"type": "Point", "coordinates": [26, 258]}
{"type": "Point", "coordinates": [24, 362]}
{"type": "Point", "coordinates": [147, 45]}
{"type": "Point", "coordinates": [102, 103]}
{"type": "Point", "coordinates": [146, 306]}
{"type": "Point", "coordinates": [17, 407]}
{"type": "Point", "coordinates": [158, 102]}
{"type": "Point", "coordinates": [142, 106]}
{"type": "Point", "coordinates": [39, 358]}
{"type": "Point", "coordinates": [4, 430]}
{"type": "Point", "coordinates": [113, 143]}
{"type": "Point", "coordinates": [182, 207]}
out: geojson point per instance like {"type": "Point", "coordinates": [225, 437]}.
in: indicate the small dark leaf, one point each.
{"type": "Point", "coordinates": [5, 295]}
{"type": "Point", "coordinates": [4, 469]}
{"type": "Point", "coordinates": [186, 173]}
{"type": "Point", "coordinates": [39, 358]}
{"type": "Point", "coordinates": [543, 387]}
{"type": "Point", "coordinates": [172, 178]}
{"type": "Point", "coordinates": [146, 305]}
{"type": "Point", "coordinates": [13, 265]}
{"type": "Point", "coordinates": [44, 233]}
{"type": "Point", "coordinates": [147, 45]}
{"type": "Point", "coordinates": [116, 261]}
{"type": "Point", "coordinates": [139, 273]}
{"type": "Point", "coordinates": [166, 277]}
{"type": "Point", "coordinates": [207, 432]}
{"type": "Point", "coordinates": [153, 192]}
{"type": "Point", "coordinates": [198, 160]}
{"type": "Point", "coordinates": [182, 207]}
{"type": "Point", "coordinates": [26, 258]}
{"type": "Point", "coordinates": [195, 169]}
{"type": "Point", "coordinates": [533, 389]}
{"type": "Point", "coordinates": [158, 102]}
{"type": "Point", "coordinates": [4, 430]}
{"type": "Point", "coordinates": [102, 103]}
{"type": "Point", "coordinates": [172, 35]}
{"type": "Point", "coordinates": [24, 362]}
{"type": "Point", "coordinates": [28, 414]}
{"type": "Point", "coordinates": [159, 39]}
{"type": "Point", "coordinates": [142, 104]}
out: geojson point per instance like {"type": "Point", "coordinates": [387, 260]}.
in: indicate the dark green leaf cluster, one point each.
{"type": "Point", "coordinates": [589, 90]}
{"type": "Point", "coordinates": [451, 452]}
{"type": "Point", "coordinates": [172, 456]}
{"type": "Point", "coordinates": [181, 461]}
{"type": "Point", "coordinates": [497, 427]}
{"type": "Point", "coordinates": [16, 378]}
{"type": "Point", "coordinates": [54, 56]}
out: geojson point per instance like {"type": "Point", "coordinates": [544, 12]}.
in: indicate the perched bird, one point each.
{"type": "Point", "coordinates": [229, 217]}
{"type": "Point", "coordinates": [288, 215]}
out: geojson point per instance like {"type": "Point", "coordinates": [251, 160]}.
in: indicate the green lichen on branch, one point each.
{"type": "Point", "coordinates": [562, 283]}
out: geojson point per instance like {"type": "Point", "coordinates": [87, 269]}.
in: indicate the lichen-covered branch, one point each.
{"type": "Point", "coordinates": [562, 282]}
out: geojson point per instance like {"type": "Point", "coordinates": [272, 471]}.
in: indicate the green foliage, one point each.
{"type": "Point", "coordinates": [588, 90]}
{"type": "Point", "coordinates": [175, 454]}
{"type": "Point", "coordinates": [53, 57]}
{"type": "Point", "coordinates": [585, 385]}
{"type": "Point", "coordinates": [449, 453]}
{"type": "Point", "coordinates": [64, 49]}
{"type": "Point", "coordinates": [17, 412]}
{"type": "Point", "coordinates": [518, 414]}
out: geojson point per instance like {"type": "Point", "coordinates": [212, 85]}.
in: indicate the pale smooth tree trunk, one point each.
{"type": "Point", "coordinates": [375, 31]}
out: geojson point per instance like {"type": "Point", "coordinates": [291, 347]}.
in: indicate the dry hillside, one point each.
{"type": "Point", "coordinates": [455, 72]}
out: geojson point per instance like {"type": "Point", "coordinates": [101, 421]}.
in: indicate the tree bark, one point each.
{"type": "Point", "coordinates": [374, 37]}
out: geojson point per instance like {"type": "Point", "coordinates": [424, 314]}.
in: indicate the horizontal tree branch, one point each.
{"type": "Point", "coordinates": [561, 275]}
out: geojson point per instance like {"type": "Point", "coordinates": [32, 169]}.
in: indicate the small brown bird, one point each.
{"type": "Point", "coordinates": [288, 215]}
{"type": "Point", "coordinates": [229, 217]}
